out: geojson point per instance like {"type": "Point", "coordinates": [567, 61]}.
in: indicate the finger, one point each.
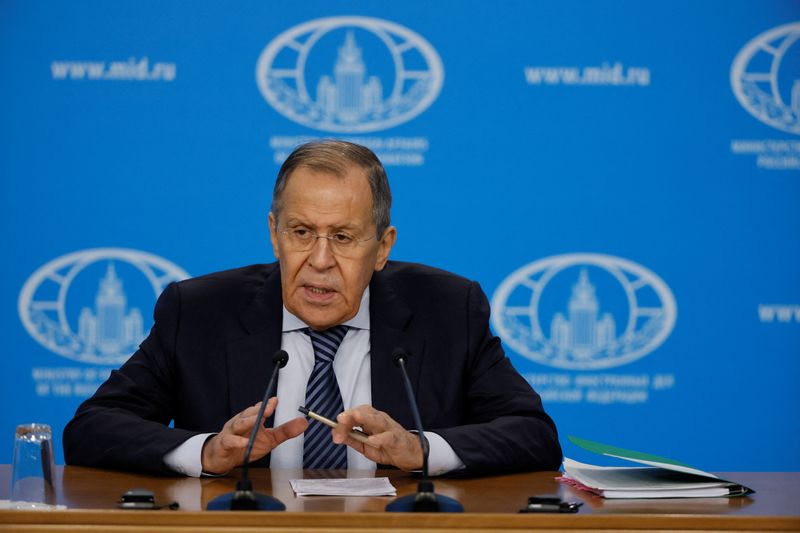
{"type": "Point", "coordinates": [346, 430]}
{"type": "Point", "coordinates": [357, 443]}
{"type": "Point", "coordinates": [368, 418]}
{"type": "Point", "coordinates": [288, 430]}
{"type": "Point", "coordinates": [244, 421]}
{"type": "Point", "coordinates": [369, 451]}
{"type": "Point", "coordinates": [340, 433]}
{"type": "Point", "coordinates": [272, 404]}
{"type": "Point", "coordinates": [250, 411]}
{"type": "Point", "coordinates": [386, 439]}
{"type": "Point", "coordinates": [241, 420]}
{"type": "Point", "coordinates": [253, 410]}
{"type": "Point", "coordinates": [230, 442]}
{"type": "Point", "coordinates": [269, 438]}
{"type": "Point", "coordinates": [243, 425]}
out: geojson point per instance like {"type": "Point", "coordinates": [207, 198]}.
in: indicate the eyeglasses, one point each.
{"type": "Point", "coordinates": [302, 239]}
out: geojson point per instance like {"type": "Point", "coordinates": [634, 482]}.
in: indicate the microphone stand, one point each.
{"type": "Point", "coordinates": [244, 498]}
{"type": "Point", "coordinates": [425, 500]}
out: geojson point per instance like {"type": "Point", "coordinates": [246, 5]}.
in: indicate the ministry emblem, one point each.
{"type": "Point", "coordinates": [349, 74]}
{"type": "Point", "coordinates": [87, 305]}
{"type": "Point", "coordinates": [583, 311]}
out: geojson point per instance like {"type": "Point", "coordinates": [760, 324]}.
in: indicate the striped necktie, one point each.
{"type": "Point", "coordinates": [323, 397]}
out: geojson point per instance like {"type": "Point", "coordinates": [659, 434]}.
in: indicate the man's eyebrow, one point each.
{"type": "Point", "coordinates": [294, 221]}
{"type": "Point", "coordinates": [348, 226]}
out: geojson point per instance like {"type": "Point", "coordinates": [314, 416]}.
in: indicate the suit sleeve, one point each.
{"type": "Point", "coordinates": [125, 424]}
{"type": "Point", "coordinates": [508, 429]}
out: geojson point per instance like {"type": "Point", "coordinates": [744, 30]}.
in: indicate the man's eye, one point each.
{"type": "Point", "coordinates": [342, 238]}
{"type": "Point", "coordinates": [301, 233]}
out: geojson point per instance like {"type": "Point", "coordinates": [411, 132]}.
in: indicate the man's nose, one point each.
{"type": "Point", "coordinates": [321, 255]}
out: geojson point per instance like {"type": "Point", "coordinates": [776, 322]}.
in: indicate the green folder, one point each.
{"type": "Point", "coordinates": [660, 478]}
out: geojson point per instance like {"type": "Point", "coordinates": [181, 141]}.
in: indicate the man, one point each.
{"type": "Point", "coordinates": [339, 308]}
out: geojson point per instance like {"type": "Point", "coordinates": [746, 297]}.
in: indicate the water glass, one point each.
{"type": "Point", "coordinates": [32, 469]}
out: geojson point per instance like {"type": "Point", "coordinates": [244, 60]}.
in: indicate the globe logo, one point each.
{"type": "Point", "coordinates": [87, 305]}
{"type": "Point", "coordinates": [349, 74]}
{"type": "Point", "coordinates": [583, 311]}
{"type": "Point", "coordinates": [765, 77]}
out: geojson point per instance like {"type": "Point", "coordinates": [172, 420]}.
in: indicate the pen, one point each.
{"type": "Point", "coordinates": [357, 434]}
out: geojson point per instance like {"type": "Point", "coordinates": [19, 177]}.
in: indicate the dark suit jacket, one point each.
{"type": "Point", "coordinates": [209, 356]}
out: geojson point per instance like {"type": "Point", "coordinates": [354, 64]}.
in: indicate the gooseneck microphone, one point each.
{"type": "Point", "coordinates": [425, 500]}
{"type": "Point", "coordinates": [244, 498]}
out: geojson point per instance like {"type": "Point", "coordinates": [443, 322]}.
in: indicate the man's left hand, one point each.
{"type": "Point", "coordinates": [391, 443]}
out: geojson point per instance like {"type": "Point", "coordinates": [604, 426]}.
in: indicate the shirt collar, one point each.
{"type": "Point", "coordinates": [360, 321]}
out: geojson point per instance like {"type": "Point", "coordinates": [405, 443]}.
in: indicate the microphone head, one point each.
{"type": "Point", "coordinates": [399, 354]}
{"type": "Point", "coordinates": [280, 358]}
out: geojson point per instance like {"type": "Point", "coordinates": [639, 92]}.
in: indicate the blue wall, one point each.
{"type": "Point", "coordinates": [623, 178]}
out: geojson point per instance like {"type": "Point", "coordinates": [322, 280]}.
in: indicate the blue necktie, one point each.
{"type": "Point", "coordinates": [323, 397]}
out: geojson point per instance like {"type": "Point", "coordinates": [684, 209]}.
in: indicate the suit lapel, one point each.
{"type": "Point", "coordinates": [250, 357]}
{"type": "Point", "coordinates": [389, 321]}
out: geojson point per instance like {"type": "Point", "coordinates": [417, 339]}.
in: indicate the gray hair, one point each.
{"type": "Point", "coordinates": [335, 157]}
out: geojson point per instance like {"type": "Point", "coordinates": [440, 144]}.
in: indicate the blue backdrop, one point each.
{"type": "Point", "coordinates": [623, 179]}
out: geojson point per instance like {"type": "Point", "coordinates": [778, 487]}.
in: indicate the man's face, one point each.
{"type": "Point", "coordinates": [320, 286]}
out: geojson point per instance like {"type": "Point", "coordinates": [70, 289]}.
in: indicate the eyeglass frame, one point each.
{"type": "Point", "coordinates": [330, 237]}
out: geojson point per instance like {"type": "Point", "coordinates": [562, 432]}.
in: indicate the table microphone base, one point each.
{"type": "Point", "coordinates": [244, 499]}
{"type": "Point", "coordinates": [425, 501]}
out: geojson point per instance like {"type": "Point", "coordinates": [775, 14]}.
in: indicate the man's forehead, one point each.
{"type": "Point", "coordinates": [304, 180]}
{"type": "Point", "coordinates": [321, 198]}
{"type": "Point", "coordinates": [339, 169]}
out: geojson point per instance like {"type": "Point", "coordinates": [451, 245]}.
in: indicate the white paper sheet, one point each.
{"type": "Point", "coordinates": [369, 486]}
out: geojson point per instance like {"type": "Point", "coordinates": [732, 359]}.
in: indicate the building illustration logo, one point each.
{"type": "Point", "coordinates": [583, 311]}
{"type": "Point", "coordinates": [81, 306]}
{"type": "Point", "coordinates": [349, 74]}
{"type": "Point", "coordinates": [765, 77]}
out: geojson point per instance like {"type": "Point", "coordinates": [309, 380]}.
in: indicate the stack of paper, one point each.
{"type": "Point", "coordinates": [378, 486]}
{"type": "Point", "coordinates": [662, 478]}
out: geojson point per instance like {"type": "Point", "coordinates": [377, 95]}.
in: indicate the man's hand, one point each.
{"type": "Point", "coordinates": [392, 444]}
{"type": "Point", "coordinates": [225, 450]}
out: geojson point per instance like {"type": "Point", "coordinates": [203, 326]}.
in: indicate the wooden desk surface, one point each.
{"type": "Point", "coordinates": [491, 504]}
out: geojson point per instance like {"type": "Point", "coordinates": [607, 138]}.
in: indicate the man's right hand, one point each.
{"type": "Point", "coordinates": [225, 450]}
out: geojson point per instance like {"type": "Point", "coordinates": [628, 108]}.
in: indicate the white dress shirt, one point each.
{"type": "Point", "coordinates": [352, 368]}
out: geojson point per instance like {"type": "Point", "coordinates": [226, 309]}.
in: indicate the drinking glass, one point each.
{"type": "Point", "coordinates": [32, 468]}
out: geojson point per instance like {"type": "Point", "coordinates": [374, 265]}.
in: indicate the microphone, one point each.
{"type": "Point", "coordinates": [425, 500]}
{"type": "Point", "coordinates": [244, 498]}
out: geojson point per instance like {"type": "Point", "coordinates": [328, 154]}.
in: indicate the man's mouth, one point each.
{"type": "Point", "coordinates": [319, 293]}
{"type": "Point", "coordinates": [319, 290]}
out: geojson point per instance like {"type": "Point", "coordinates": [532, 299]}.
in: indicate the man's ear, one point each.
{"type": "Point", "coordinates": [385, 246]}
{"type": "Point", "coordinates": [273, 235]}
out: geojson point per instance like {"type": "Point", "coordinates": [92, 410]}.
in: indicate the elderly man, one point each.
{"type": "Point", "coordinates": [339, 307]}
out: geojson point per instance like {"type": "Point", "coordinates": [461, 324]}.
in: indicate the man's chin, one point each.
{"type": "Point", "coordinates": [320, 317]}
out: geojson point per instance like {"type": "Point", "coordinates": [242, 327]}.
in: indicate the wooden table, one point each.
{"type": "Point", "coordinates": [491, 504]}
